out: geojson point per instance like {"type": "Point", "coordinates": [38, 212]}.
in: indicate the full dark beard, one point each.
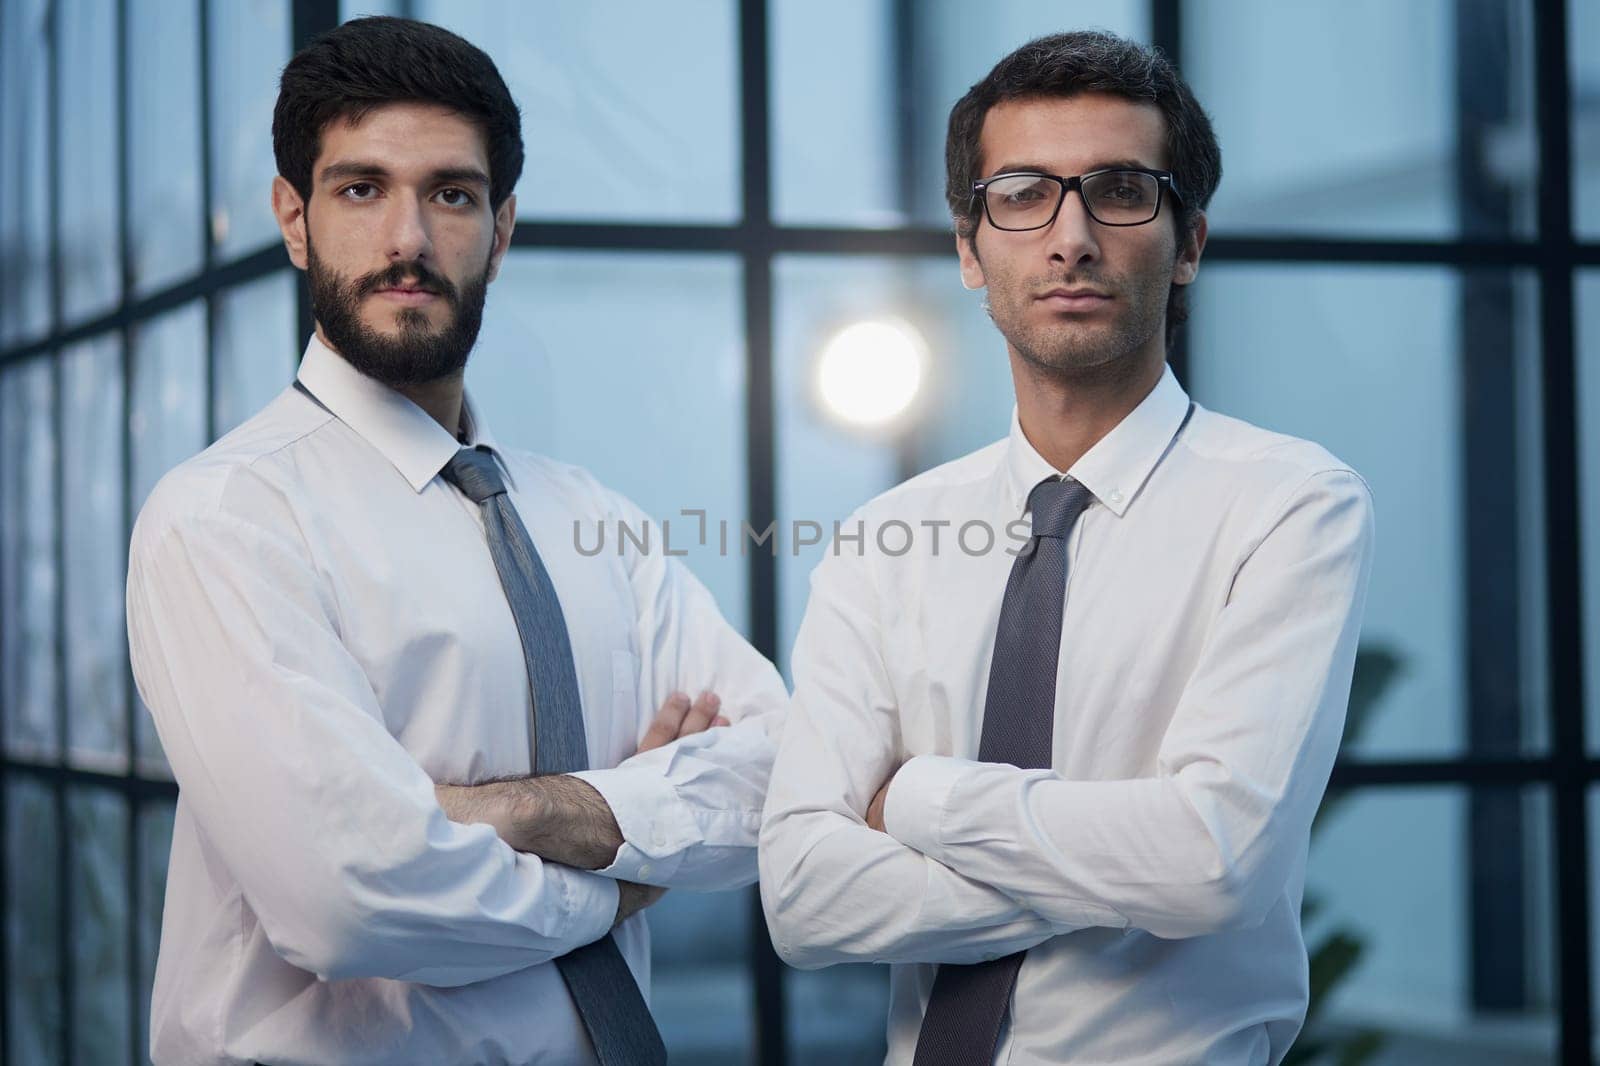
{"type": "Point", "coordinates": [418, 353]}
{"type": "Point", "coordinates": [1064, 348]}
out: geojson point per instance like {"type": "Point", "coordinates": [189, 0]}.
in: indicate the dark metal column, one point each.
{"type": "Point", "coordinates": [1489, 487]}
{"type": "Point", "coordinates": [309, 18]}
{"type": "Point", "coordinates": [1166, 33]}
{"type": "Point", "coordinates": [771, 1032]}
{"type": "Point", "coordinates": [65, 895]}
{"type": "Point", "coordinates": [1563, 586]}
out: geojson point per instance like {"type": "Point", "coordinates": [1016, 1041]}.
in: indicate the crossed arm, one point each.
{"type": "Point", "coordinates": [564, 819]}
{"type": "Point", "coordinates": [868, 857]}
{"type": "Point", "coordinates": [332, 832]}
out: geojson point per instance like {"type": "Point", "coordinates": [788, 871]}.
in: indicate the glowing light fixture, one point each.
{"type": "Point", "coordinates": [869, 374]}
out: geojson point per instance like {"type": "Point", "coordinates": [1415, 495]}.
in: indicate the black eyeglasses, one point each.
{"type": "Point", "coordinates": [1031, 200]}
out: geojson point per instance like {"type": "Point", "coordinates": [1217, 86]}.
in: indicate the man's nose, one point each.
{"type": "Point", "coordinates": [1072, 237]}
{"type": "Point", "coordinates": [406, 231]}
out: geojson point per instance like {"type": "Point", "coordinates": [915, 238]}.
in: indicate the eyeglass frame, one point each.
{"type": "Point", "coordinates": [1165, 183]}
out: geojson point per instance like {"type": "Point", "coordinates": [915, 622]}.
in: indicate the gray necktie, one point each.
{"type": "Point", "coordinates": [602, 987]}
{"type": "Point", "coordinates": [968, 1003]}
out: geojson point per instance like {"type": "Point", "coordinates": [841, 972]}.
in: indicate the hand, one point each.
{"type": "Point", "coordinates": [680, 718]}
{"type": "Point", "coordinates": [633, 897]}
{"type": "Point", "coordinates": [875, 808]}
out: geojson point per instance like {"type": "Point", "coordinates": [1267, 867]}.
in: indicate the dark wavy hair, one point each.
{"type": "Point", "coordinates": [1066, 64]}
{"type": "Point", "coordinates": [368, 62]}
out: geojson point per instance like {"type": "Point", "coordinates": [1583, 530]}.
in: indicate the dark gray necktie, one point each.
{"type": "Point", "coordinates": [968, 1003]}
{"type": "Point", "coordinates": [602, 987]}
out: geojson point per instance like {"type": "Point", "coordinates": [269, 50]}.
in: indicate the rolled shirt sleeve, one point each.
{"type": "Point", "coordinates": [278, 745]}
{"type": "Point", "coordinates": [690, 811]}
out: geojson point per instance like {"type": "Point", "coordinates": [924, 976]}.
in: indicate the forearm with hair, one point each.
{"type": "Point", "coordinates": [558, 818]}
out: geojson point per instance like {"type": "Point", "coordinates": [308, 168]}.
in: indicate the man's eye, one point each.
{"type": "Point", "coordinates": [455, 197]}
{"type": "Point", "coordinates": [1032, 194]}
{"type": "Point", "coordinates": [361, 190]}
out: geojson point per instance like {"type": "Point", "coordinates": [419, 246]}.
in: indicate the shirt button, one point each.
{"type": "Point", "coordinates": [1115, 497]}
{"type": "Point", "coordinates": [644, 871]}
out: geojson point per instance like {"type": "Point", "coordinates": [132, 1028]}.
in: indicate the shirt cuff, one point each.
{"type": "Point", "coordinates": [913, 811]}
{"type": "Point", "coordinates": [657, 827]}
{"type": "Point", "coordinates": [589, 902]}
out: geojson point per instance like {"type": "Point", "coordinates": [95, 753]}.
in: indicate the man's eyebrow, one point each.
{"type": "Point", "coordinates": [356, 168]}
{"type": "Point", "coordinates": [1040, 168]}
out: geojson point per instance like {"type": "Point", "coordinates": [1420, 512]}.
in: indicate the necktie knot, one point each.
{"type": "Point", "coordinates": [473, 471]}
{"type": "Point", "coordinates": [1056, 504]}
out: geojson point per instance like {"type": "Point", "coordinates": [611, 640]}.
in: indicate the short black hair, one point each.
{"type": "Point", "coordinates": [1090, 61]}
{"type": "Point", "coordinates": [368, 62]}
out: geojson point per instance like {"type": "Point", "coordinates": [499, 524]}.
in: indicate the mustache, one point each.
{"type": "Point", "coordinates": [414, 273]}
{"type": "Point", "coordinates": [1073, 280]}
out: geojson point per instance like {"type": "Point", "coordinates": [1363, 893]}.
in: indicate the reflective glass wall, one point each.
{"type": "Point", "coordinates": [1404, 265]}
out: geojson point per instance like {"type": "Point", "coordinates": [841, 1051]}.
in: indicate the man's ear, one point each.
{"type": "Point", "coordinates": [505, 220]}
{"type": "Point", "coordinates": [971, 268]}
{"type": "Point", "coordinates": [1187, 264]}
{"type": "Point", "coordinates": [290, 211]}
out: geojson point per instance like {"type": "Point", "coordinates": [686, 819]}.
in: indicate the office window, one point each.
{"type": "Point", "coordinates": [1381, 277]}
{"type": "Point", "coordinates": [1362, 118]}
{"type": "Point", "coordinates": [164, 216]}
{"type": "Point", "coordinates": [91, 274]}
{"type": "Point", "coordinates": [256, 347]}
{"type": "Point", "coordinates": [31, 580]}
{"type": "Point", "coordinates": [248, 42]}
{"type": "Point", "coordinates": [628, 113]}
{"type": "Point", "coordinates": [95, 553]}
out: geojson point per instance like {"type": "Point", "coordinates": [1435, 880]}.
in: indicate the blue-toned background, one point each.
{"type": "Point", "coordinates": [1405, 266]}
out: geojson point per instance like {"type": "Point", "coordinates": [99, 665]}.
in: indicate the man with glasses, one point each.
{"type": "Point", "coordinates": [1057, 761]}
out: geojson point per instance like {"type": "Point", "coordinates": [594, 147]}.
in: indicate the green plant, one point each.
{"type": "Point", "coordinates": [1336, 951]}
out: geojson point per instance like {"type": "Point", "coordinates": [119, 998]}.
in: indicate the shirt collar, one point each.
{"type": "Point", "coordinates": [1116, 468]}
{"type": "Point", "coordinates": [403, 433]}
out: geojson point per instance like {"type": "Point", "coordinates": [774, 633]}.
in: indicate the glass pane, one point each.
{"type": "Point", "coordinates": [155, 847]}
{"type": "Point", "coordinates": [616, 123]}
{"type": "Point", "coordinates": [164, 142]}
{"type": "Point", "coordinates": [838, 1016]}
{"type": "Point", "coordinates": [700, 976]}
{"type": "Point", "coordinates": [249, 47]}
{"type": "Point", "coordinates": [91, 262]}
{"type": "Point", "coordinates": [101, 1030]}
{"type": "Point", "coordinates": [847, 104]}
{"type": "Point", "coordinates": [25, 179]}
{"type": "Point", "coordinates": [167, 425]}
{"type": "Point", "coordinates": [1426, 142]}
{"type": "Point", "coordinates": [1426, 381]}
{"type": "Point", "coordinates": [1428, 923]}
{"type": "Point", "coordinates": [1583, 29]}
{"type": "Point", "coordinates": [1588, 400]}
{"type": "Point", "coordinates": [256, 348]}
{"type": "Point", "coordinates": [96, 542]}
{"type": "Point", "coordinates": [647, 393]}
{"type": "Point", "coordinates": [29, 578]}
{"type": "Point", "coordinates": [827, 468]}
{"type": "Point", "coordinates": [350, 9]}
{"type": "Point", "coordinates": [876, 171]}
{"type": "Point", "coordinates": [33, 902]}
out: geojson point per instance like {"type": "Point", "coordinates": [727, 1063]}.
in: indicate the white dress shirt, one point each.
{"type": "Point", "coordinates": [1214, 593]}
{"type": "Point", "coordinates": [317, 627]}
